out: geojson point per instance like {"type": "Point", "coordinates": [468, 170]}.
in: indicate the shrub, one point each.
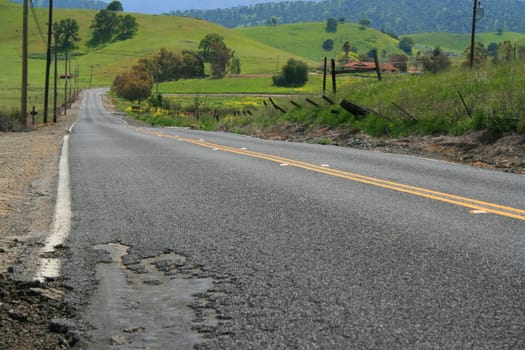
{"type": "Point", "coordinates": [436, 62]}
{"type": "Point", "coordinates": [294, 73]}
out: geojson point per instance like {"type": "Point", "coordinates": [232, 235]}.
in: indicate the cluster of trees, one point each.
{"type": "Point", "coordinates": [408, 16]}
{"type": "Point", "coordinates": [503, 52]}
{"type": "Point", "coordinates": [221, 58]}
{"type": "Point", "coordinates": [170, 66]}
{"type": "Point", "coordinates": [163, 66]}
{"type": "Point", "coordinates": [109, 26]}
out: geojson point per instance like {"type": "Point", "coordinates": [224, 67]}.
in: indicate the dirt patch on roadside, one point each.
{"type": "Point", "coordinates": [477, 149]}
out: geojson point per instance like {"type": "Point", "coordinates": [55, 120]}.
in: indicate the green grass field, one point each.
{"type": "Point", "coordinates": [459, 42]}
{"type": "Point", "coordinates": [306, 39]}
{"type": "Point", "coordinates": [155, 32]}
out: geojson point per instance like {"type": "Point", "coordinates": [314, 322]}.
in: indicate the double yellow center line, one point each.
{"type": "Point", "coordinates": [473, 204]}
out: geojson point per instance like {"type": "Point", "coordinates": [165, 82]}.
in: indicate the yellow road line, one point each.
{"type": "Point", "coordinates": [466, 202]}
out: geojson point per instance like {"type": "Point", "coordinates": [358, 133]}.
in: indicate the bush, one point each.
{"type": "Point", "coordinates": [328, 45]}
{"type": "Point", "coordinates": [294, 73]}
{"type": "Point", "coordinates": [436, 62]}
{"type": "Point", "coordinates": [10, 122]}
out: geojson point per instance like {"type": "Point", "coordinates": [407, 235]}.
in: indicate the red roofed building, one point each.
{"type": "Point", "coordinates": [369, 66]}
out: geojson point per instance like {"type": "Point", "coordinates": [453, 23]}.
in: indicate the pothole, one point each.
{"type": "Point", "coordinates": [162, 302]}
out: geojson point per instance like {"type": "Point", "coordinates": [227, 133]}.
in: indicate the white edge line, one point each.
{"type": "Point", "coordinates": [62, 218]}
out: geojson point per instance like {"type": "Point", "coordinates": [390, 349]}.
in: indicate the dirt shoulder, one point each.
{"type": "Point", "coordinates": [28, 182]}
{"type": "Point", "coordinates": [476, 149]}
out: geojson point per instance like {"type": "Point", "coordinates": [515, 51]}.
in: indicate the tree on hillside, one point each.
{"type": "Point", "coordinates": [365, 22]}
{"type": "Point", "coordinates": [406, 44]}
{"type": "Point", "coordinates": [127, 27]}
{"type": "Point", "coordinates": [331, 25]}
{"type": "Point", "coordinates": [346, 48]}
{"type": "Point", "coordinates": [328, 45]}
{"type": "Point", "coordinates": [115, 6]}
{"type": "Point", "coordinates": [108, 26]}
{"type": "Point", "coordinates": [105, 26]}
{"type": "Point", "coordinates": [206, 44]}
{"type": "Point", "coordinates": [294, 73]}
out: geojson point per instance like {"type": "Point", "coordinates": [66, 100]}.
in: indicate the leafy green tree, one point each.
{"type": "Point", "coordinates": [192, 64]}
{"type": "Point", "coordinates": [346, 48]}
{"type": "Point", "coordinates": [105, 25]}
{"type": "Point", "coordinates": [170, 65]}
{"type": "Point", "coordinates": [294, 73]}
{"type": "Point", "coordinates": [328, 45]}
{"type": "Point", "coordinates": [127, 27]}
{"type": "Point", "coordinates": [115, 6]}
{"type": "Point", "coordinates": [152, 67]}
{"type": "Point", "coordinates": [492, 50]}
{"type": "Point", "coordinates": [331, 25]}
{"type": "Point", "coordinates": [365, 22]}
{"type": "Point", "coordinates": [206, 44]}
{"type": "Point", "coordinates": [436, 62]}
{"type": "Point", "coordinates": [108, 26]}
{"type": "Point", "coordinates": [406, 44]}
{"type": "Point", "coordinates": [66, 36]}
{"type": "Point", "coordinates": [234, 64]}
{"type": "Point", "coordinates": [219, 59]}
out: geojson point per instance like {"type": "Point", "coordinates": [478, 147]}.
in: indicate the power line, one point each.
{"type": "Point", "coordinates": [35, 17]}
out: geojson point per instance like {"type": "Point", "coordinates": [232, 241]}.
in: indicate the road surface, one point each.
{"type": "Point", "coordinates": [186, 239]}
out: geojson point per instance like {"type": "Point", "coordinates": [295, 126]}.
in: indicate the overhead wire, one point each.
{"type": "Point", "coordinates": [37, 22]}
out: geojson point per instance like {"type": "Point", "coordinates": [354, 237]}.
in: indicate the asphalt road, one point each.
{"type": "Point", "coordinates": [184, 237]}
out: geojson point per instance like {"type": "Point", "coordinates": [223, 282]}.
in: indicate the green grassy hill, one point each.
{"type": "Point", "coordinates": [155, 32]}
{"type": "Point", "coordinates": [306, 39]}
{"type": "Point", "coordinates": [459, 42]}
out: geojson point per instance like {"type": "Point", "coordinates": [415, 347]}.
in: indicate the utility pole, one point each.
{"type": "Point", "coordinates": [55, 88]}
{"type": "Point", "coordinates": [91, 75]}
{"type": "Point", "coordinates": [23, 108]}
{"type": "Point", "coordinates": [477, 6]}
{"type": "Point", "coordinates": [48, 59]}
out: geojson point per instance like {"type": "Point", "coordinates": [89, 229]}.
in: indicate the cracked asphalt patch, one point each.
{"type": "Point", "coordinates": [155, 303]}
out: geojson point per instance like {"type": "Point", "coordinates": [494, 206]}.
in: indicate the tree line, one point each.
{"type": "Point", "coordinates": [402, 17]}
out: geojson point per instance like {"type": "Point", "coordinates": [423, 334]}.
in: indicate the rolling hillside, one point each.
{"type": "Point", "coordinates": [155, 32]}
{"type": "Point", "coordinates": [459, 42]}
{"type": "Point", "coordinates": [401, 17]}
{"type": "Point", "coordinates": [306, 39]}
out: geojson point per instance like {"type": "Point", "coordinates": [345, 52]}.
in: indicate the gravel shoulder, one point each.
{"type": "Point", "coordinates": [32, 313]}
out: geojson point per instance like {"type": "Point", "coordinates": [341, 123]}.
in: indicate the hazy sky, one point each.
{"type": "Point", "coordinates": [160, 6]}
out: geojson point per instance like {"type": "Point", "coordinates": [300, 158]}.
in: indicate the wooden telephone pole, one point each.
{"type": "Point", "coordinates": [23, 107]}
{"type": "Point", "coordinates": [48, 59]}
